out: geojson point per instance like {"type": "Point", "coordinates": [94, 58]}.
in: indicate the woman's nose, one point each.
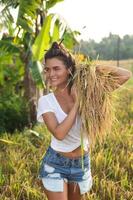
{"type": "Point", "coordinates": [51, 73]}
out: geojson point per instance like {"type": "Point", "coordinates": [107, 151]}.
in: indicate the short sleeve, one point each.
{"type": "Point", "coordinates": [43, 107]}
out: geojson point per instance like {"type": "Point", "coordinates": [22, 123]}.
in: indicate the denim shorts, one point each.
{"type": "Point", "coordinates": [56, 168]}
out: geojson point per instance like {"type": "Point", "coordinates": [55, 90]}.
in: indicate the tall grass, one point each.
{"type": "Point", "coordinates": [111, 161]}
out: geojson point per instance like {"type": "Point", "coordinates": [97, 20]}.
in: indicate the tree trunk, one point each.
{"type": "Point", "coordinates": [30, 93]}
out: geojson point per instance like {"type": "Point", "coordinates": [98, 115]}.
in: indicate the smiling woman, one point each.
{"type": "Point", "coordinates": [65, 169]}
{"type": "Point", "coordinates": [61, 169]}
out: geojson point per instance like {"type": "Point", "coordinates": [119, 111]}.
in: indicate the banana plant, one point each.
{"type": "Point", "coordinates": [53, 28]}
{"type": "Point", "coordinates": [36, 30]}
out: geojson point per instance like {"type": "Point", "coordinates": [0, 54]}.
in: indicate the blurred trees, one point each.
{"type": "Point", "coordinates": [110, 48]}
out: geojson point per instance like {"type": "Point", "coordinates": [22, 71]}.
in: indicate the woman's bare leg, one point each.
{"type": "Point", "coordinates": [73, 191]}
{"type": "Point", "coordinates": [58, 195]}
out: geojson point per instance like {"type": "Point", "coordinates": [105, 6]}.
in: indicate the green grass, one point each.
{"type": "Point", "coordinates": [111, 162]}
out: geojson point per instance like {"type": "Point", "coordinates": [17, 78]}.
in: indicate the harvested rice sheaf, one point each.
{"type": "Point", "coordinates": [95, 100]}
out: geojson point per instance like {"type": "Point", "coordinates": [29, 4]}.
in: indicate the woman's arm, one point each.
{"type": "Point", "coordinates": [120, 74]}
{"type": "Point", "coordinates": [60, 130]}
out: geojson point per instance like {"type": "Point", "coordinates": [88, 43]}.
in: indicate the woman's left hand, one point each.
{"type": "Point", "coordinates": [74, 93]}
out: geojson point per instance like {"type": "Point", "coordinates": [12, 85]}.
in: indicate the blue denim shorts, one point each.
{"type": "Point", "coordinates": [56, 168]}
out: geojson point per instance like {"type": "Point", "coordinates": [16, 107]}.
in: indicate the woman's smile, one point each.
{"type": "Point", "coordinates": [53, 79]}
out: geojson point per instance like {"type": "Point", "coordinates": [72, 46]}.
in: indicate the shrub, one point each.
{"type": "Point", "coordinates": [13, 113]}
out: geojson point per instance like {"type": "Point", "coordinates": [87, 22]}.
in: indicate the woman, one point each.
{"type": "Point", "coordinates": [61, 169]}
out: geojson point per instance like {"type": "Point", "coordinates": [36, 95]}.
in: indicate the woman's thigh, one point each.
{"type": "Point", "coordinates": [57, 195]}
{"type": "Point", "coordinates": [74, 191]}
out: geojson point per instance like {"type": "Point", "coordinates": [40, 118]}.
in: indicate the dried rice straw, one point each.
{"type": "Point", "coordinates": [95, 101]}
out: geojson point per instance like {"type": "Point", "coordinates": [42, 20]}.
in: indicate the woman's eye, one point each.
{"type": "Point", "coordinates": [46, 69]}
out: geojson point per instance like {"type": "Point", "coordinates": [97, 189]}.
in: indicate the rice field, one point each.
{"type": "Point", "coordinates": [128, 64]}
{"type": "Point", "coordinates": [111, 161]}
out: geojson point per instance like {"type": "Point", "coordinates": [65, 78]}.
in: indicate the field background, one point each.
{"type": "Point", "coordinates": [128, 64]}
{"type": "Point", "coordinates": [112, 162]}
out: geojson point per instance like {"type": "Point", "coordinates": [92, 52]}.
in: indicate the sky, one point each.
{"type": "Point", "coordinates": [95, 19]}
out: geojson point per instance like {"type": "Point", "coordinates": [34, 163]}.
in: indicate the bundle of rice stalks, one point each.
{"type": "Point", "coordinates": [95, 100]}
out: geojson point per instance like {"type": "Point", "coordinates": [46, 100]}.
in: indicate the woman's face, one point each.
{"type": "Point", "coordinates": [56, 73]}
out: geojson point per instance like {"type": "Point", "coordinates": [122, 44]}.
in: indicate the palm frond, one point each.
{"type": "Point", "coordinates": [69, 37]}
{"type": "Point", "coordinates": [7, 46]}
{"type": "Point", "coordinates": [36, 71]}
{"type": "Point", "coordinates": [10, 3]}
{"type": "Point", "coordinates": [27, 14]}
{"type": "Point", "coordinates": [51, 3]}
{"type": "Point", "coordinates": [42, 41]}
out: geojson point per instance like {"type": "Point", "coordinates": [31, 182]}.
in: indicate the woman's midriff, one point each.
{"type": "Point", "coordinates": [73, 154]}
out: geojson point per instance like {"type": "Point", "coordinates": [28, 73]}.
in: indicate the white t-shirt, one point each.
{"type": "Point", "coordinates": [49, 103]}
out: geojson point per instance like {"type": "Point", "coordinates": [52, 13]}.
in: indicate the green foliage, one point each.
{"type": "Point", "coordinates": [51, 3]}
{"type": "Point", "coordinates": [21, 49]}
{"type": "Point", "coordinates": [52, 30]}
{"type": "Point", "coordinates": [11, 70]}
{"type": "Point", "coordinates": [69, 38]}
{"type": "Point", "coordinates": [9, 3]}
{"type": "Point", "coordinates": [13, 108]}
{"type": "Point", "coordinates": [7, 46]}
{"type": "Point", "coordinates": [27, 14]}
{"type": "Point", "coordinates": [13, 113]}
{"type": "Point", "coordinates": [35, 32]}
{"type": "Point", "coordinates": [42, 42]}
{"type": "Point", "coordinates": [36, 71]}
{"type": "Point", "coordinates": [5, 12]}
{"type": "Point", "coordinates": [56, 31]}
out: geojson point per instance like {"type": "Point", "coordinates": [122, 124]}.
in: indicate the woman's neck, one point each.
{"type": "Point", "coordinates": [62, 91]}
